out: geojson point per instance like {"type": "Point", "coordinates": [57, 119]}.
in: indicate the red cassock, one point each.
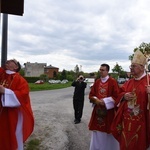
{"type": "Point", "coordinates": [131, 124]}
{"type": "Point", "coordinates": [101, 118]}
{"type": "Point", "coordinates": [9, 115]}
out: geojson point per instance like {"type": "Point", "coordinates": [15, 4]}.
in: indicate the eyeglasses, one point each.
{"type": "Point", "coordinates": [134, 66]}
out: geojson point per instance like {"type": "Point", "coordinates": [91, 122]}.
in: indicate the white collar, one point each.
{"type": "Point", "coordinates": [144, 74]}
{"type": "Point", "coordinates": [105, 79]}
{"type": "Point", "coordinates": [10, 72]}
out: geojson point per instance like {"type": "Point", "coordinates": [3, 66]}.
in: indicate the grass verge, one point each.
{"type": "Point", "coordinates": [47, 86]}
{"type": "Point", "coordinates": [33, 145]}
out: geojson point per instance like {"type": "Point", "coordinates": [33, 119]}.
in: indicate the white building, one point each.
{"type": "Point", "coordinates": [34, 69]}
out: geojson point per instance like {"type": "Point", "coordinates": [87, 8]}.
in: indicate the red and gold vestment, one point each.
{"type": "Point", "coordinates": [131, 124]}
{"type": "Point", "coordinates": [9, 115]}
{"type": "Point", "coordinates": [102, 118]}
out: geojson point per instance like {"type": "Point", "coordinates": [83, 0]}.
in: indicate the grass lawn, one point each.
{"type": "Point", "coordinates": [48, 86]}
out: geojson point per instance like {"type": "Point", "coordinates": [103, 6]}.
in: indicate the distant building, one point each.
{"type": "Point", "coordinates": [34, 69]}
{"type": "Point", "coordinates": [51, 71]}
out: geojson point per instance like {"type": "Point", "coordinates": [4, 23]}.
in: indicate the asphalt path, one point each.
{"type": "Point", "coordinates": [54, 120]}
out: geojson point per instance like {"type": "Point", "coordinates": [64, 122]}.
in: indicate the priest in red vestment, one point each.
{"type": "Point", "coordinates": [103, 96]}
{"type": "Point", "coordinates": [131, 124]}
{"type": "Point", "coordinates": [16, 116]}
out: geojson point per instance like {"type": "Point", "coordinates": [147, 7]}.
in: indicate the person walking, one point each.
{"type": "Point", "coordinates": [131, 125]}
{"type": "Point", "coordinates": [78, 98]}
{"type": "Point", "coordinates": [103, 95]}
{"type": "Point", "coordinates": [16, 116]}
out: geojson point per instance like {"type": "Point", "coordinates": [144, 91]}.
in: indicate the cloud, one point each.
{"type": "Point", "coordinates": [83, 32]}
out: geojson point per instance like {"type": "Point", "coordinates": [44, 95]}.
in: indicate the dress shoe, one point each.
{"type": "Point", "coordinates": [77, 121]}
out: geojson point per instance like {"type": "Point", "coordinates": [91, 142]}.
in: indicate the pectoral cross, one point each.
{"type": "Point", "coordinates": [102, 90]}
{"type": "Point", "coordinates": [132, 103]}
{"type": "Point", "coordinates": [5, 83]}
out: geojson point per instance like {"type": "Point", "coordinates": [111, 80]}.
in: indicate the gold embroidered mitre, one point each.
{"type": "Point", "coordinates": [139, 58]}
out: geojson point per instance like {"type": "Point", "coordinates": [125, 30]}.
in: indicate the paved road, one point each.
{"type": "Point", "coordinates": [54, 127]}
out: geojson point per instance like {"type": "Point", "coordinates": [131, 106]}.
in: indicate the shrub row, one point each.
{"type": "Point", "coordinates": [32, 79]}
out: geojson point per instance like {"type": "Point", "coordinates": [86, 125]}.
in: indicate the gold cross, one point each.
{"type": "Point", "coordinates": [4, 83]}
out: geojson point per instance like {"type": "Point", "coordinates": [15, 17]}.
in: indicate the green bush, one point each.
{"type": "Point", "coordinates": [32, 79]}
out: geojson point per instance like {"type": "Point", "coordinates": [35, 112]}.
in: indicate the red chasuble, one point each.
{"type": "Point", "coordinates": [9, 115]}
{"type": "Point", "coordinates": [131, 123]}
{"type": "Point", "coordinates": [101, 118]}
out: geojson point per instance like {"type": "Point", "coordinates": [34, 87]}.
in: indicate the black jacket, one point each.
{"type": "Point", "coordinates": [79, 89]}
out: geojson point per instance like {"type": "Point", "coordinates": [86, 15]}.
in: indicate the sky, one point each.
{"type": "Point", "coordinates": [87, 33]}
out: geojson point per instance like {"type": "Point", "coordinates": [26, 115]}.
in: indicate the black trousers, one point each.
{"type": "Point", "coordinates": [78, 108]}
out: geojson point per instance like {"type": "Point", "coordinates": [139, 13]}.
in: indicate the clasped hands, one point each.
{"type": "Point", "coordinates": [100, 102]}
{"type": "Point", "coordinates": [129, 96]}
{"type": "Point", "coordinates": [97, 101]}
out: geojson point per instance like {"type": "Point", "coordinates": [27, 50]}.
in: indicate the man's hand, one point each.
{"type": "Point", "coordinates": [100, 102]}
{"type": "Point", "coordinates": [2, 89]}
{"type": "Point", "coordinates": [97, 101]}
{"type": "Point", "coordinates": [129, 96]}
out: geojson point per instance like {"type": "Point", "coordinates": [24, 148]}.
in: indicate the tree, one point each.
{"type": "Point", "coordinates": [145, 49]}
{"type": "Point", "coordinates": [55, 74]}
{"type": "Point", "coordinates": [118, 69]}
{"type": "Point", "coordinates": [22, 73]}
{"type": "Point", "coordinates": [63, 74]}
{"type": "Point", "coordinates": [69, 77]}
{"type": "Point", "coordinates": [76, 70]}
{"type": "Point", "coordinates": [44, 77]}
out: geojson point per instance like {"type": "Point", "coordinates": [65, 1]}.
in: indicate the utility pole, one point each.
{"type": "Point", "coordinates": [0, 11]}
{"type": "Point", "coordinates": [4, 39]}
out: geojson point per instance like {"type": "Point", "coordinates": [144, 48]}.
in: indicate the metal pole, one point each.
{"type": "Point", "coordinates": [4, 39]}
{"type": "Point", "coordinates": [0, 13]}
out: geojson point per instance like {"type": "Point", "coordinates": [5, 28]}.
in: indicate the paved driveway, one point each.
{"type": "Point", "coordinates": [54, 127]}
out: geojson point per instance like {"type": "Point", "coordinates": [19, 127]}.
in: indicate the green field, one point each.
{"type": "Point", "coordinates": [48, 86]}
